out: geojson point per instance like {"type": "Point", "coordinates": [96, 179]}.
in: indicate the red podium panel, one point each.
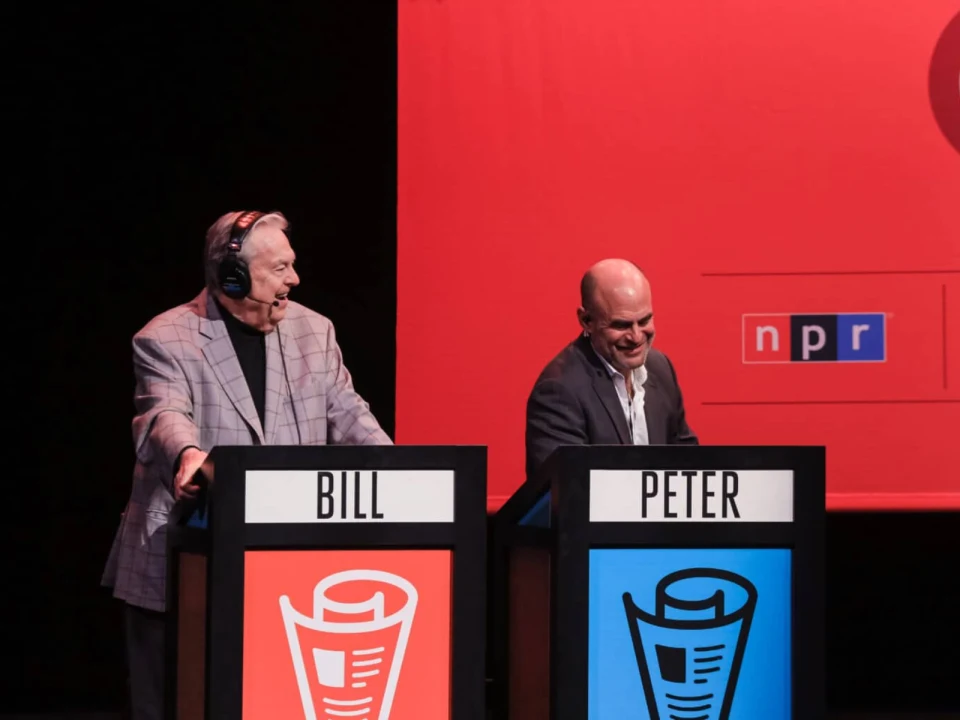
{"type": "Point", "coordinates": [347, 631]}
{"type": "Point", "coordinates": [331, 582]}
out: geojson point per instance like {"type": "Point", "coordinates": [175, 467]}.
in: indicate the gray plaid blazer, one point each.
{"type": "Point", "coordinates": [190, 390]}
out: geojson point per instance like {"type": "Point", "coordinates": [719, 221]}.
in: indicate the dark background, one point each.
{"type": "Point", "coordinates": [132, 130]}
{"type": "Point", "coordinates": [137, 127]}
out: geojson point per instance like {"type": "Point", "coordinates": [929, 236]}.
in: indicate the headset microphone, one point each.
{"type": "Point", "coordinates": [274, 303]}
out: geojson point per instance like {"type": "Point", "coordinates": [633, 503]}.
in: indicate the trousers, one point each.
{"type": "Point", "coordinates": [145, 636]}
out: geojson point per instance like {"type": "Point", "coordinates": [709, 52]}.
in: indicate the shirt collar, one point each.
{"type": "Point", "coordinates": [639, 374]}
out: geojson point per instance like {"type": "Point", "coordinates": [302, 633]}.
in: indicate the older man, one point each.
{"type": "Point", "coordinates": [240, 364]}
{"type": "Point", "coordinates": [609, 386]}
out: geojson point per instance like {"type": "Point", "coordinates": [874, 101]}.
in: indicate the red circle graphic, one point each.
{"type": "Point", "coordinates": [945, 82]}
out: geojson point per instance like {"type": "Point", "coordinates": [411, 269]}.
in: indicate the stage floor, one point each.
{"type": "Point", "coordinates": [831, 716]}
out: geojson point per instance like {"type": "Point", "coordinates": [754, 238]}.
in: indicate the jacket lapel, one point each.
{"type": "Point", "coordinates": [276, 380]}
{"type": "Point", "coordinates": [603, 386]}
{"type": "Point", "coordinates": [219, 353]}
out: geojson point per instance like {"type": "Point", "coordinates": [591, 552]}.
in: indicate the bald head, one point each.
{"type": "Point", "coordinates": [616, 312]}
{"type": "Point", "coordinates": [610, 278]}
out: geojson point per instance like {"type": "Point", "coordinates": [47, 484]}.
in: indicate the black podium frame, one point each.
{"type": "Point", "coordinates": [571, 536]}
{"type": "Point", "coordinates": [227, 537]}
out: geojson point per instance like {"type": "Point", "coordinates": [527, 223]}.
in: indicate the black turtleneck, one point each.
{"type": "Point", "coordinates": [250, 346]}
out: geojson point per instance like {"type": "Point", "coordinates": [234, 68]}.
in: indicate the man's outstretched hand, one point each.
{"type": "Point", "coordinates": [191, 460]}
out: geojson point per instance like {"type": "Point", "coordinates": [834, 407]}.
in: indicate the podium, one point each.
{"type": "Point", "coordinates": [662, 582]}
{"type": "Point", "coordinates": [330, 582]}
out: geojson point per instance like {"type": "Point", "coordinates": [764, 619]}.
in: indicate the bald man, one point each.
{"type": "Point", "coordinates": [609, 386]}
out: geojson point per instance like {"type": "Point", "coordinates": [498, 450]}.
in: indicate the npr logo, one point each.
{"type": "Point", "coordinates": [842, 337]}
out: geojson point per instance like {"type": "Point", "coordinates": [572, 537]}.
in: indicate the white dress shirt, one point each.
{"type": "Point", "coordinates": [632, 409]}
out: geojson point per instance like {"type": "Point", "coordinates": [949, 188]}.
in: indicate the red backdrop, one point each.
{"type": "Point", "coordinates": [752, 157]}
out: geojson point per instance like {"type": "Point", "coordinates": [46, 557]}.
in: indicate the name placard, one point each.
{"type": "Point", "coordinates": [691, 496]}
{"type": "Point", "coordinates": [349, 496]}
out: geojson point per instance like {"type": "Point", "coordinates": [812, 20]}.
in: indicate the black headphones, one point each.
{"type": "Point", "coordinates": [234, 278]}
{"type": "Point", "coordinates": [233, 274]}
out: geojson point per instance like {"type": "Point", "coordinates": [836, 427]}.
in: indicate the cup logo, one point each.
{"type": "Point", "coordinates": [690, 649]}
{"type": "Point", "coordinates": [348, 653]}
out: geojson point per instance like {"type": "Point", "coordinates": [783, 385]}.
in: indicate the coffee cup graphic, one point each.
{"type": "Point", "coordinates": [348, 654]}
{"type": "Point", "coordinates": [690, 649]}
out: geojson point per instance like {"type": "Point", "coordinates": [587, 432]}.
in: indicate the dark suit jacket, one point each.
{"type": "Point", "coordinates": [574, 402]}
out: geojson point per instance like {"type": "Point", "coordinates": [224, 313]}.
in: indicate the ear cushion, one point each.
{"type": "Point", "coordinates": [233, 273]}
{"type": "Point", "coordinates": [234, 278]}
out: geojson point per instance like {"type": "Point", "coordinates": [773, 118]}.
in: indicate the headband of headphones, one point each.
{"type": "Point", "coordinates": [241, 227]}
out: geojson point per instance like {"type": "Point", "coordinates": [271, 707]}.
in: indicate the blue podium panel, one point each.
{"type": "Point", "coordinates": [689, 633]}
{"type": "Point", "coordinates": [685, 583]}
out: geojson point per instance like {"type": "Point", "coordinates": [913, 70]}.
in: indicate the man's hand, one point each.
{"type": "Point", "coordinates": [191, 460]}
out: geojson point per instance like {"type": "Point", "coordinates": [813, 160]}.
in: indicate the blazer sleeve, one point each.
{"type": "Point", "coordinates": [680, 431]}
{"type": "Point", "coordinates": [163, 426]}
{"type": "Point", "coordinates": [554, 418]}
{"type": "Point", "coordinates": [349, 420]}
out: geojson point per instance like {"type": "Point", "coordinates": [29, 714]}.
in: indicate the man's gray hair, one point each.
{"type": "Point", "coordinates": [219, 235]}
